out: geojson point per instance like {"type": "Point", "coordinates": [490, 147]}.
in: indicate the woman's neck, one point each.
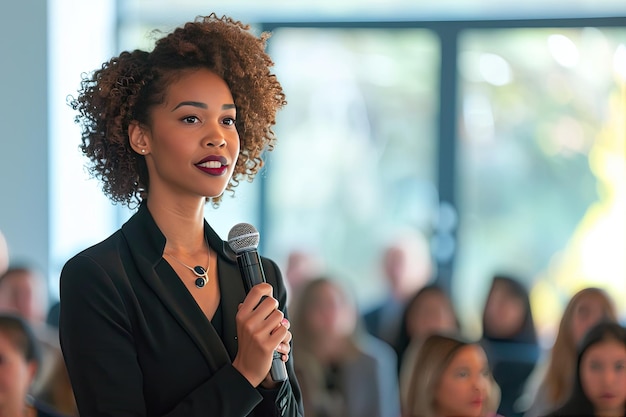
{"type": "Point", "coordinates": [181, 222]}
{"type": "Point", "coordinates": [617, 412]}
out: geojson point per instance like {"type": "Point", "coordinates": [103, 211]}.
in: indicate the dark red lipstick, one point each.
{"type": "Point", "coordinates": [213, 165]}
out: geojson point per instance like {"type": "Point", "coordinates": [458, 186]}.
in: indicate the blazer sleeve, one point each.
{"type": "Point", "coordinates": [287, 401]}
{"type": "Point", "coordinates": [96, 335]}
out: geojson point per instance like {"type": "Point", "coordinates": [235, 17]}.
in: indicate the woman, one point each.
{"type": "Point", "coordinates": [509, 339]}
{"type": "Point", "coordinates": [19, 363]}
{"type": "Point", "coordinates": [155, 319]}
{"type": "Point", "coordinates": [343, 371]}
{"type": "Point", "coordinates": [600, 382]}
{"type": "Point", "coordinates": [451, 378]}
{"type": "Point", "coordinates": [429, 311]}
{"type": "Point", "coordinates": [586, 308]}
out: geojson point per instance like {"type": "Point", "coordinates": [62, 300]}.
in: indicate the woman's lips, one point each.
{"type": "Point", "coordinates": [477, 402]}
{"type": "Point", "coordinates": [213, 165]}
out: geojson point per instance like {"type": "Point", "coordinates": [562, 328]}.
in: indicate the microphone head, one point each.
{"type": "Point", "coordinates": [243, 237]}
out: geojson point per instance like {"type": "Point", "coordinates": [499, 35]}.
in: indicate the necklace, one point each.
{"type": "Point", "coordinates": [201, 273]}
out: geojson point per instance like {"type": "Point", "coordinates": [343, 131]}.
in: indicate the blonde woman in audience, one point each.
{"type": "Point", "coordinates": [451, 378]}
{"type": "Point", "coordinates": [343, 371]}
{"type": "Point", "coordinates": [585, 309]}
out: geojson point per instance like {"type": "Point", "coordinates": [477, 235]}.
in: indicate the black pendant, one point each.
{"type": "Point", "coordinates": [202, 276]}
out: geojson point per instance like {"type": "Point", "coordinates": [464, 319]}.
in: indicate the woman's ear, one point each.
{"type": "Point", "coordinates": [138, 137]}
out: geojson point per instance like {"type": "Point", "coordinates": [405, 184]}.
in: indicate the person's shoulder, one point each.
{"type": "Point", "coordinates": [101, 250]}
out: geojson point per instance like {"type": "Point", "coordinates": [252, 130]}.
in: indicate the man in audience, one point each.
{"type": "Point", "coordinates": [407, 267]}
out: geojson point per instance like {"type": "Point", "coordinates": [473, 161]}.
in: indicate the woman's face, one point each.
{"type": "Point", "coordinates": [464, 386]}
{"type": "Point", "coordinates": [603, 376]}
{"type": "Point", "coordinates": [504, 312]}
{"type": "Point", "coordinates": [192, 144]}
{"type": "Point", "coordinates": [328, 313]}
{"type": "Point", "coordinates": [23, 293]}
{"type": "Point", "coordinates": [16, 374]}
{"type": "Point", "coordinates": [431, 313]}
{"type": "Point", "coordinates": [587, 312]}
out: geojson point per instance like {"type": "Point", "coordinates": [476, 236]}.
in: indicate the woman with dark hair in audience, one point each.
{"type": "Point", "coordinates": [429, 311]}
{"type": "Point", "coordinates": [509, 339]}
{"type": "Point", "coordinates": [600, 381]}
{"type": "Point", "coordinates": [586, 308]}
{"type": "Point", "coordinates": [19, 362]}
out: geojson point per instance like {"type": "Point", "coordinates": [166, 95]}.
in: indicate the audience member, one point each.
{"type": "Point", "coordinates": [509, 339]}
{"type": "Point", "coordinates": [301, 267]}
{"type": "Point", "coordinates": [23, 291]}
{"type": "Point", "coordinates": [600, 381]}
{"type": "Point", "coordinates": [430, 311]}
{"type": "Point", "coordinates": [451, 377]}
{"type": "Point", "coordinates": [407, 267]}
{"type": "Point", "coordinates": [342, 370]}
{"type": "Point", "coordinates": [18, 366]}
{"type": "Point", "coordinates": [586, 308]}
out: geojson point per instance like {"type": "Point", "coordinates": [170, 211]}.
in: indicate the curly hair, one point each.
{"type": "Point", "coordinates": [125, 89]}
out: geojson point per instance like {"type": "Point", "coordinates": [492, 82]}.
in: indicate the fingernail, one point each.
{"type": "Point", "coordinates": [284, 322]}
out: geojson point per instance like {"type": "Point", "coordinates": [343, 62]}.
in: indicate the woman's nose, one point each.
{"type": "Point", "coordinates": [214, 138]}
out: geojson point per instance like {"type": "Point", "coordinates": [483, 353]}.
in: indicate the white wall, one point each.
{"type": "Point", "coordinates": [24, 200]}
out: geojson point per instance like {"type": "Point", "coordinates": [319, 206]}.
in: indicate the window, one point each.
{"type": "Point", "coordinates": [542, 157]}
{"type": "Point", "coordinates": [355, 159]}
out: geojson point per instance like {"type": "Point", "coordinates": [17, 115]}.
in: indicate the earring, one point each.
{"type": "Point", "coordinates": [143, 151]}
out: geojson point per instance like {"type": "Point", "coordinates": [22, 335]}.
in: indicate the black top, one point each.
{"type": "Point", "coordinates": [136, 343]}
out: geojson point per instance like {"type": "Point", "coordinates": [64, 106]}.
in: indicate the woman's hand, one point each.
{"type": "Point", "coordinates": [284, 348]}
{"type": "Point", "coordinates": [260, 330]}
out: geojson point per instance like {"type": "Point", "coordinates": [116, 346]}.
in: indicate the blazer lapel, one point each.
{"type": "Point", "coordinates": [146, 243]}
{"type": "Point", "coordinates": [232, 291]}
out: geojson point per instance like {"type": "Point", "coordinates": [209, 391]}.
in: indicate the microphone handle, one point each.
{"type": "Point", "coordinates": [252, 274]}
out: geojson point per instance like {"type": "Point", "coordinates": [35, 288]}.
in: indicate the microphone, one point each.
{"type": "Point", "coordinates": [243, 239]}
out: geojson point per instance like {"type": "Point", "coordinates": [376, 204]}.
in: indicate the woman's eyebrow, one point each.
{"type": "Point", "coordinates": [191, 103]}
{"type": "Point", "coordinates": [201, 105]}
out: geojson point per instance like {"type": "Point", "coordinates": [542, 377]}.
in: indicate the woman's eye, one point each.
{"type": "Point", "coordinates": [229, 121]}
{"type": "Point", "coordinates": [190, 119]}
{"type": "Point", "coordinates": [595, 366]}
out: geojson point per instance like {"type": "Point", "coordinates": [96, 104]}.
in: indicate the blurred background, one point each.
{"type": "Point", "coordinates": [495, 129]}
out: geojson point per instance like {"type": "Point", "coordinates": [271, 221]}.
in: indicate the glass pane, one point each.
{"type": "Point", "coordinates": [542, 175]}
{"type": "Point", "coordinates": [355, 159]}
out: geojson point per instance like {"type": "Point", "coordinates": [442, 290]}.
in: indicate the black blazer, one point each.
{"type": "Point", "coordinates": [137, 344]}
